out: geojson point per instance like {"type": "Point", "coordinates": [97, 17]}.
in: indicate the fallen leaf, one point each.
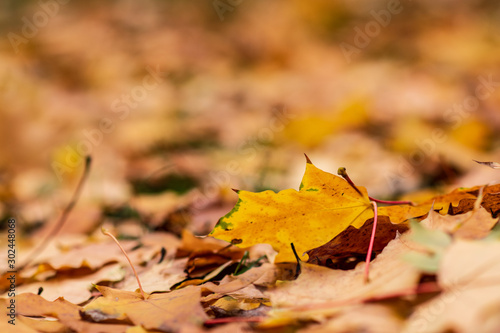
{"type": "Point", "coordinates": [75, 288]}
{"type": "Point", "coordinates": [29, 304]}
{"type": "Point", "coordinates": [66, 313]}
{"type": "Point", "coordinates": [159, 277]}
{"type": "Point", "coordinates": [462, 200]}
{"type": "Point", "coordinates": [18, 325]}
{"type": "Point", "coordinates": [368, 318]}
{"type": "Point", "coordinates": [91, 255]}
{"type": "Point", "coordinates": [166, 312]}
{"type": "Point", "coordinates": [191, 243]}
{"type": "Point", "coordinates": [233, 283]}
{"type": "Point", "coordinates": [469, 275]}
{"type": "Point", "coordinates": [231, 307]}
{"type": "Point", "coordinates": [475, 224]}
{"type": "Point", "coordinates": [324, 206]}
{"type": "Point", "coordinates": [351, 245]}
{"type": "Point", "coordinates": [317, 284]}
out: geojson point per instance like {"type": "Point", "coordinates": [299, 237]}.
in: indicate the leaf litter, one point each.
{"type": "Point", "coordinates": [205, 281]}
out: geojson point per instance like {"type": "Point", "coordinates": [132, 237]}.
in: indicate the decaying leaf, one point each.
{"type": "Point", "coordinates": [324, 206]}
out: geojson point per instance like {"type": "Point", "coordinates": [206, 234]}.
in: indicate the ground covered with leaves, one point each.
{"type": "Point", "coordinates": [197, 116]}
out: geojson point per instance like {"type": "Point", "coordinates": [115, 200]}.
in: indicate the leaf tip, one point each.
{"type": "Point", "coordinates": [235, 190]}
{"type": "Point", "coordinates": [308, 161]}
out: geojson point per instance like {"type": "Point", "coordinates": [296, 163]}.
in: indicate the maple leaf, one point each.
{"type": "Point", "coordinates": [167, 312]}
{"type": "Point", "coordinates": [323, 207]}
{"type": "Point", "coordinates": [320, 292]}
{"type": "Point", "coordinates": [67, 315]}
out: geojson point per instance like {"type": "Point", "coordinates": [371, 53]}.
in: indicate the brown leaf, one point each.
{"type": "Point", "coordinates": [475, 224]}
{"type": "Point", "coordinates": [67, 314]}
{"type": "Point", "coordinates": [233, 283]}
{"type": "Point", "coordinates": [388, 274]}
{"type": "Point", "coordinates": [167, 312]}
{"type": "Point", "coordinates": [29, 304]}
{"type": "Point", "coordinates": [91, 255]}
{"type": "Point", "coordinates": [368, 318]}
{"type": "Point", "coordinates": [491, 202]}
{"type": "Point", "coordinates": [159, 277]}
{"type": "Point", "coordinates": [350, 246]}
{"type": "Point", "coordinates": [74, 288]}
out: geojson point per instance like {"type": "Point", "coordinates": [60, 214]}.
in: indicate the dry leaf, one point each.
{"type": "Point", "coordinates": [475, 224]}
{"type": "Point", "coordinates": [167, 312]}
{"type": "Point", "coordinates": [351, 245]}
{"type": "Point", "coordinates": [367, 318]}
{"type": "Point", "coordinates": [469, 274]}
{"type": "Point", "coordinates": [74, 288]}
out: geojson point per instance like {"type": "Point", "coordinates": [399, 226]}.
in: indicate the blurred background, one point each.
{"type": "Point", "coordinates": [177, 102]}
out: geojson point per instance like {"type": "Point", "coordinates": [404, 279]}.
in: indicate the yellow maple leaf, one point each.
{"type": "Point", "coordinates": [323, 207]}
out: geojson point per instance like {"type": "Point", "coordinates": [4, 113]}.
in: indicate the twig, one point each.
{"type": "Point", "coordinates": [64, 216]}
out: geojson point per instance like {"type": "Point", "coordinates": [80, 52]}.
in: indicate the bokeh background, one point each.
{"type": "Point", "coordinates": [180, 101]}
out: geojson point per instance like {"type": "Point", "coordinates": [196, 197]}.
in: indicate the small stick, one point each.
{"type": "Point", "coordinates": [64, 216]}
{"type": "Point", "coordinates": [372, 240]}
{"type": "Point", "coordinates": [107, 233]}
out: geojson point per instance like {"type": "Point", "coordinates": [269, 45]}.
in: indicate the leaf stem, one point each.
{"type": "Point", "coordinates": [372, 241]}
{"type": "Point", "coordinates": [343, 172]}
{"type": "Point", "coordinates": [107, 233]}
